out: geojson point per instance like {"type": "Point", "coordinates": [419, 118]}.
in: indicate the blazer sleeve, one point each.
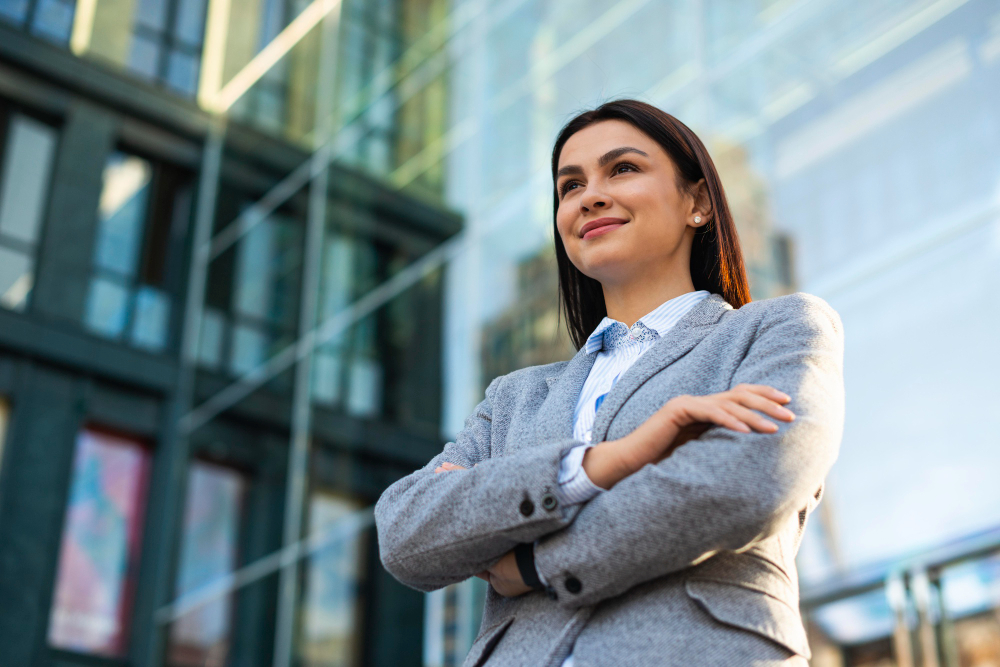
{"type": "Point", "coordinates": [723, 491]}
{"type": "Point", "coordinates": [438, 529]}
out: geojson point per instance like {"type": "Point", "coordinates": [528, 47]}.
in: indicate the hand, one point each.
{"type": "Point", "coordinates": [446, 466]}
{"type": "Point", "coordinates": [684, 418]}
{"type": "Point", "coordinates": [505, 577]}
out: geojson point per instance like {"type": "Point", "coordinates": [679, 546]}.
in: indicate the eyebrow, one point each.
{"type": "Point", "coordinates": [603, 160]}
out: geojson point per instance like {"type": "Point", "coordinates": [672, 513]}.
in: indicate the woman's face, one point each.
{"type": "Point", "coordinates": [620, 212]}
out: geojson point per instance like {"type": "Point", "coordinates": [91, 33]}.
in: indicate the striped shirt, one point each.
{"type": "Point", "coordinates": [618, 347]}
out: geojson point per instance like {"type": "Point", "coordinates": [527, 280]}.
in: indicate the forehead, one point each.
{"type": "Point", "coordinates": [593, 141]}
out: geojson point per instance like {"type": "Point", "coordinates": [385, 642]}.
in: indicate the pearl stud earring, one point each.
{"type": "Point", "coordinates": [697, 219]}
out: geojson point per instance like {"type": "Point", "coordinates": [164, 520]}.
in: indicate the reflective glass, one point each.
{"type": "Point", "coordinates": [209, 550]}
{"type": "Point", "coordinates": [182, 72]}
{"type": "Point", "coordinates": [15, 11]}
{"type": "Point", "coordinates": [268, 262]}
{"type": "Point", "coordinates": [250, 348]}
{"type": "Point", "coordinates": [190, 22]}
{"type": "Point", "coordinates": [151, 13]}
{"type": "Point", "coordinates": [150, 319]}
{"type": "Point", "coordinates": [16, 278]}
{"type": "Point", "coordinates": [107, 307]}
{"type": "Point", "coordinates": [144, 57]}
{"type": "Point", "coordinates": [331, 599]}
{"type": "Point", "coordinates": [213, 331]}
{"type": "Point", "coordinates": [101, 537]}
{"type": "Point", "coordinates": [24, 181]}
{"type": "Point", "coordinates": [122, 213]}
{"type": "Point", "coordinates": [54, 19]}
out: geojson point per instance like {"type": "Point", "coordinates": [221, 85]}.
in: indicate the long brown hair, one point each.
{"type": "Point", "coordinates": [716, 258]}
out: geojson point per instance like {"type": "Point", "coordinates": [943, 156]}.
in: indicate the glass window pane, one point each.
{"type": "Point", "coordinates": [54, 19]}
{"type": "Point", "coordinates": [151, 13]}
{"type": "Point", "coordinates": [144, 57]}
{"type": "Point", "coordinates": [332, 591]}
{"type": "Point", "coordinates": [90, 609]}
{"type": "Point", "coordinates": [327, 370]}
{"type": "Point", "coordinates": [16, 278]}
{"type": "Point", "coordinates": [208, 551]}
{"type": "Point", "coordinates": [150, 319]}
{"type": "Point", "coordinates": [107, 307]}
{"type": "Point", "coordinates": [122, 213]}
{"type": "Point", "coordinates": [14, 10]}
{"type": "Point", "coordinates": [190, 21]}
{"type": "Point", "coordinates": [24, 186]}
{"type": "Point", "coordinates": [182, 72]}
{"type": "Point", "coordinates": [365, 391]}
{"type": "Point", "coordinates": [249, 349]}
{"type": "Point", "coordinates": [213, 331]}
{"type": "Point", "coordinates": [268, 259]}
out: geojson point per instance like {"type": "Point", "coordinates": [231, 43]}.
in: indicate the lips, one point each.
{"type": "Point", "coordinates": [600, 226]}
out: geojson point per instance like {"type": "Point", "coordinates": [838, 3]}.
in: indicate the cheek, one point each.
{"type": "Point", "coordinates": [564, 220]}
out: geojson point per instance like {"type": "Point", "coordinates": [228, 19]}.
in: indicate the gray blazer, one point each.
{"type": "Point", "coordinates": [687, 562]}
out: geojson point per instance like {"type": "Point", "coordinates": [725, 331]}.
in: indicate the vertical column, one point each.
{"type": "Point", "coordinates": [39, 460]}
{"type": "Point", "coordinates": [298, 454]}
{"type": "Point", "coordinates": [168, 484]}
{"type": "Point", "coordinates": [66, 255]}
{"type": "Point", "coordinates": [946, 629]}
{"type": "Point", "coordinates": [895, 591]}
{"type": "Point", "coordinates": [921, 588]}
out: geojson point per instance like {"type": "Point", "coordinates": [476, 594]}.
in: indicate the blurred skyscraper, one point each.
{"type": "Point", "coordinates": [167, 235]}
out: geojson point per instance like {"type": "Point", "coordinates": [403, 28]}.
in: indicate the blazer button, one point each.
{"type": "Point", "coordinates": [527, 507]}
{"type": "Point", "coordinates": [549, 502]}
{"type": "Point", "coordinates": [573, 585]}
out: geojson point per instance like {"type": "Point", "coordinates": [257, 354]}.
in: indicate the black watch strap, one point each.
{"type": "Point", "coordinates": [524, 555]}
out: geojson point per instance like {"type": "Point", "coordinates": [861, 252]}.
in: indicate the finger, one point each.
{"type": "Point", "coordinates": [765, 391]}
{"type": "Point", "coordinates": [767, 406]}
{"type": "Point", "coordinates": [715, 414]}
{"type": "Point", "coordinates": [484, 575]}
{"type": "Point", "coordinates": [752, 419]}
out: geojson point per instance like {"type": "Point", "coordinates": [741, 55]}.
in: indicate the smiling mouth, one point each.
{"type": "Point", "coordinates": [601, 226]}
{"type": "Point", "coordinates": [603, 229]}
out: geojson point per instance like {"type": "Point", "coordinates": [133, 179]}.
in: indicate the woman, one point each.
{"type": "Point", "coordinates": [642, 503]}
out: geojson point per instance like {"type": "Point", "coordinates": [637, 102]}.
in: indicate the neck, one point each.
{"type": "Point", "coordinates": [630, 300]}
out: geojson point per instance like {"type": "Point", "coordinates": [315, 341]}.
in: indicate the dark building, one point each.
{"type": "Point", "coordinates": [116, 499]}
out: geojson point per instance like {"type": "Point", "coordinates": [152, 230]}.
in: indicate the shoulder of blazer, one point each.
{"type": "Point", "coordinates": [812, 310]}
{"type": "Point", "coordinates": [526, 376]}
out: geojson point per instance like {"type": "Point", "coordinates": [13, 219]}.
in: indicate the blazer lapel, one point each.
{"type": "Point", "coordinates": [554, 420]}
{"type": "Point", "coordinates": [678, 341]}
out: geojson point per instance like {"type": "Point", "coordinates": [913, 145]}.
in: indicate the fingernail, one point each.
{"type": "Point", "coordinates": [786, 412]}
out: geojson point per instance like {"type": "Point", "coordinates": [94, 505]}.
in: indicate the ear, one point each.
{"type": "Point", "coordinates": [701, 205]}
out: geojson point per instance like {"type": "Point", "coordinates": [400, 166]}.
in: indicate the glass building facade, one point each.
{"type": "Point", "coordinates": [260, 259]}
{"type": "Point", "coordinates": [197, 407]}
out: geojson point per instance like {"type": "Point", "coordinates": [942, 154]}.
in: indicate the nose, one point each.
{"type": "Point", "coordinates": [593, 200]}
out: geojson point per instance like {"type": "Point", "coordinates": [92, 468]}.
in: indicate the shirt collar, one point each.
{"type": "Point", "coordinates": [661, 319]}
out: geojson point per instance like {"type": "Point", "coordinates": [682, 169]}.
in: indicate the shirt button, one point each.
{"type": "Point", "coordinates": [527, 507]}
{"type": "Point", "coordinates": [549, 502]}
{"type": "Point", "coordinates": [573, 585]}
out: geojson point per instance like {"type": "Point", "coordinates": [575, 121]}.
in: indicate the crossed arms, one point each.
{"type": "Point", "coordinates": [726, 490]}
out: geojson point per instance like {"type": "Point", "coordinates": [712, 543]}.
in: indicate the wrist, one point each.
{"type": "Point", "coordinates": [609, 462]}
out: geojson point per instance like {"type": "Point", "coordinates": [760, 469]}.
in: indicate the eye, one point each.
{"type": "Point", "coordinates": [629, 165]}
{"type": "Point", "coordinates": [566, 187]}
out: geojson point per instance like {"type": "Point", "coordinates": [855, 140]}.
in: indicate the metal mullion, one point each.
{"type": "Point", "coordinates": [167, 39]}
{"type": "Point", "coordinates": [299, 445]}
{"type": "Point", "coordinates": [170, 471]}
